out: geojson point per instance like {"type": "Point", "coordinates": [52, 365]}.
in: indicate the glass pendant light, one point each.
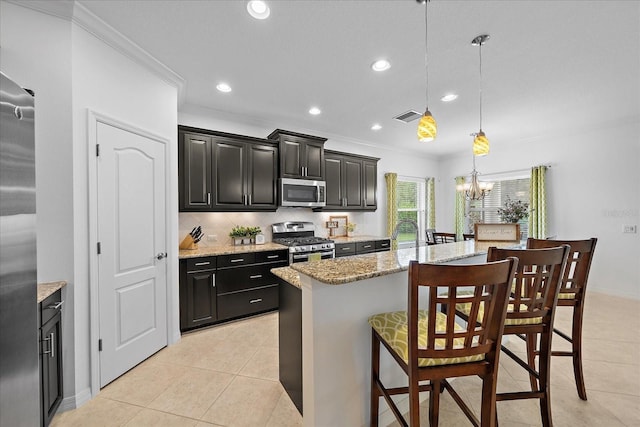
{"type": "Point", "coordinates": [427, 128]}
{"type": "Point", "coordinates": [480, 142]}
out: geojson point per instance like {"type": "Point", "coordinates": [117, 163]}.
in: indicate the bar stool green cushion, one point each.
{"type": "Point", "coordinates": [392, 328]}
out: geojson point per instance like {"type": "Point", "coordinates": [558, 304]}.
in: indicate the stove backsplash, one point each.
{"type": "Point", "coordinates": [221, 223]}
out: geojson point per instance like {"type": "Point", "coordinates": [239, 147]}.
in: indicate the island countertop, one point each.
{"type": "Point", "coordinates": [338, 271]}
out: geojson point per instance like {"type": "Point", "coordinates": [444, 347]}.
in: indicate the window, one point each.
{"type": "Point", "coordinates": [411, 203]}
{"type": "Point", "coordinates": [486, 210]}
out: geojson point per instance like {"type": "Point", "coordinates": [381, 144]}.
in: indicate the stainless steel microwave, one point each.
{"type": "Point", "coordinates": [302, 193]}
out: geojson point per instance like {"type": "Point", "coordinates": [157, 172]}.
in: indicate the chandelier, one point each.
{"type": "Point", "coordinates": [427, 127]}
{"type": "Point", "coordinates": [474, 189]}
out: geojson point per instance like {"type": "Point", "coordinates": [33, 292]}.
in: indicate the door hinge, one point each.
{"type": "Point", "coordinates": [97, 150]}
{"type": "Point", "coordinates": [100, 344]}
{"type": "Point", "coordinates": [99, 248]}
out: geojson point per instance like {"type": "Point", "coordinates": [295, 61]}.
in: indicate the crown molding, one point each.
{"type": "Point", "coordinates": [77, 13]}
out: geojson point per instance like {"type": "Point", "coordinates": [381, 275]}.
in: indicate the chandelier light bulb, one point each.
{"type": "Point", "coordinates": [427, 128]}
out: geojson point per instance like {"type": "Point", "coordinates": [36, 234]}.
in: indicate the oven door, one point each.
{"type": "Point", "coordinates": [302, 193]}
{"type": "Point", "coordinates": [304, 257]}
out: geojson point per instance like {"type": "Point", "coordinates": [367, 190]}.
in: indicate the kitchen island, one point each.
{"type": "Point", "coordinates": [338, 296]}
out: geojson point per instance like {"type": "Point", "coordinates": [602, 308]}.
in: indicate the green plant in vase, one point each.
{"type": "Point", "coordinates": [513, 211]}
{"type": "Point", "coordinates": [351, 227]}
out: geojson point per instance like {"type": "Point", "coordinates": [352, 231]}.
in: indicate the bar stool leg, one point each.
{"type": "Point", "coordinates": [545, 376]}
{"type": "Point", "coordinates": [532, 341]}
{"type": "Point", "coordinates": [576, 342]}
{"type": "Point", "coordinates": [434, 404]}
{"type": "Point", "coordinates": [375, 370]}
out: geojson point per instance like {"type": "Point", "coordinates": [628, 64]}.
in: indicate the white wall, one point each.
{"type": "Point", "coordinates": [36, 52]}
{"type": "Point", "coordinates": [109, 83]}
{"type": "Point", "coordinates": [593, 190]}
{"type": "Point", "coordinates": [368, 223]}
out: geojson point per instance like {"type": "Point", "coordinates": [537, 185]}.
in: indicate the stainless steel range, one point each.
{"type": "Point", "coordinates": [301, 240]}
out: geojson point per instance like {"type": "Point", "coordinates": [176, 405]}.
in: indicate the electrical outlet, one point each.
{"type": "Point", "coordinates": [212, 238]}
{"type": "Point", "coordinates": [629, 229]}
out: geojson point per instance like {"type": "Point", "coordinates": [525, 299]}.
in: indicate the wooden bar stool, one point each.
{"type": "Point", "coordinates": [534, 294]}
{"type": "Point", "coordinates": [572, 294]}
{"type": "Point", "coordinates": [428, 345]}
{"type": "Point", "coordinates": [441, 237]}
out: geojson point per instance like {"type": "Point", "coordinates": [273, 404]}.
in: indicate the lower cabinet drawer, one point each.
{"type": "Point", "coordinates": [247, 302]}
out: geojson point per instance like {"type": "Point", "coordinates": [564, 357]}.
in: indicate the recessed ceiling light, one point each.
{"type": "Point", "coordinates": [315, 111]}
{"type": "Point", "coordinates": [376, 126]}
{"type": "Point", "coordinates": [258, 9]}
{"type": "Point", "coordinates": [381, 65]}
{"type": "Point", "coordinates": [223, 87]}
{"type": "Point", "coordinates": [449, 97]}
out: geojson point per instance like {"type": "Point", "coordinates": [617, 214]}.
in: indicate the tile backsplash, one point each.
{"type": "Point", "coordinates": [219, 224]}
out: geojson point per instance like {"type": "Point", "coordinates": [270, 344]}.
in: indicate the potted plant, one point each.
{"type": "Point", "coordinates": [351, 228]}
{"type": "Point", "coordinates": [253, 232]}
{"type": "Point", "coordinates": [238, 234]}
{"type": "Point", "coordinates": [513, 211]}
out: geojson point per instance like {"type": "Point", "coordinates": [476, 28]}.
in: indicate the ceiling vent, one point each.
{"type": "Point", "coordinates": [408, 116]}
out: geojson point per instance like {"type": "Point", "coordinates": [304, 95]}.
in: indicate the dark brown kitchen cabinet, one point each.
{"type": "Point", "coordinates": [232, 172]}
{"type": "Point", "coordinates": [50, 321]}
{"type": "Point", "coordinates": [198, 296]}
{"type": "Point", "coordinates": [195, 172]}
{"type": "Point", "coordinates": [351, 182]}
{"type": "Point", "coordinates": [246, 285]}
{"type": "Point", "coordinates": [362, 247]}
{"type": "Point", "coordinates": [219, 288]}
{"type": "Point", "coordinates": [301, 156]}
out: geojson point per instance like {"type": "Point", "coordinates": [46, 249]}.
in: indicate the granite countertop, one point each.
{"type": "Point", "coordinates": [289, 275]}
{"type": "Point", "coordinates": [47, 289]}
{"type": "Point", "coordinates": [338, 271]}
{"type": "Point", "coordinates": [228, 249]}
{"type": "Point", "coordinates": [352, 239]}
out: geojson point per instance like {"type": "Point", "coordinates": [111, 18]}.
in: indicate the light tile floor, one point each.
{"type": "Point", "coordinates": [228, 376]}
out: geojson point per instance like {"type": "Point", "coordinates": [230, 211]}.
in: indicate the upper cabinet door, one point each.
{"type": "Point", "coordinates": [301, 156]}
{"type": "Point", "coordinates": [262, 177]}
{"type": "Point", "coordinates": [333, 171]}
{"type": "Point", "coordinates": [370, 184]}
{"type": "Point", "coordinates": [229, 172]}
{"type": "Point", "coordinates": [194, 172]}
{"type": "Point", "coordinates": [352, 183]}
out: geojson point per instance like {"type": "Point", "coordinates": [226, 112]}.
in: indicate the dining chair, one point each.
{"type": "Point", "coordinates": [531, 309]}
{"type": "Point", "coordinates": [466, 236]}
{"type": "Point", "coordinates": [430, 240]}
{"type": "Point", "coordinates": [428, 345]}
{"type": "Point", "coordinates": [572, 294]}
{"type": "Point", "coordinates": [441, 237]}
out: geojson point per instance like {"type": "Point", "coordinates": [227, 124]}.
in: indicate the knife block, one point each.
{"type": "Point", "coordinates": [188, 243]}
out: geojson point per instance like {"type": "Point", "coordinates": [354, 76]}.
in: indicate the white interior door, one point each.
{"type": "Point", "coordinates": [132, 271]}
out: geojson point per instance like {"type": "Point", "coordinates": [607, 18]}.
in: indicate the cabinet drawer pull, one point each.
{"type": "Point", "coordinates": [203, 263]}
{"type": "Point", "coordinates": [384, 244]}
{"type": "Point", "coordinates": [366, 246]}
{"type": "Point", "coordinates": [255, 276]}
{"type": "Point", "coordinates": [346, 249]}
{"type": "Point", "coordinates": [253, 301]}
{"type": "Point", "coordinates": [273, 256]}
{"type": "Point", "coordinates": [237, 260]}
{"type": "Point", "coordinates": [56, 306]}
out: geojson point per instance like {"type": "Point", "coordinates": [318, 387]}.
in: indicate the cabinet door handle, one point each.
{"type": "Point", "coordinates": [253, 301]}
{"type": "Point", "coordinates": [213, 280]}
{"type": "Point", "coordinates": [366, 246]}
{"type": "Point", "coordinates": [255, 276]}
{"type": "Point", "coordinates": [50, 346]}
{"type": "Point", "coordinates": [52, 353]}
{"type": "Point", "coordinates": [203, 263]}
{"type": "Point", "coordinates": [272, 256]}
{"type": "Point", "coordinates": [209, 198]}
{"type": "Point", "coordinates": [237, 260]}
{"type": "Point", "coordinates": [249, 200]}
{"type": "Point", "coordinates": [56, 306]}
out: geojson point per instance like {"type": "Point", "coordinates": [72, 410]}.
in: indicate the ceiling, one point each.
{"type": "Point", "coordinates": [549, 68]}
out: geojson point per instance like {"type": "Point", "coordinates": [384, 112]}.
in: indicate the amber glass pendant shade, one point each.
{"type": "Point", "coordinates": [427, 128]}
{"type": "Point", "coordinates": [480, 145]}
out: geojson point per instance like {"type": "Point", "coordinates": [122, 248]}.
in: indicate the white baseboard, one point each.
{"type": "Point", "coordinates": [75, 401]}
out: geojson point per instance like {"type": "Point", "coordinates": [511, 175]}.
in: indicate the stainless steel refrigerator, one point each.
{"type": "Point", "coordinates": [19, 377]}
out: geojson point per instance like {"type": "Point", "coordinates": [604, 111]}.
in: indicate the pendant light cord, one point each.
{"type": "Point", "coordinates": [480, 50]}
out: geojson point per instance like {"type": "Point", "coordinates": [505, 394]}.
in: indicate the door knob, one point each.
{"type": "Point", "coordinates": [161, 255]}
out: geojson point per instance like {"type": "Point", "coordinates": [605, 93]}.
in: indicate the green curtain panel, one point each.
{"type": "Point", "coordinates": [392, 205]}
{"type": "Point", "coordinates": [538, 203]}
{"type": "Point", "coordinates": [431, 202]}
{"type": "Point", "coordinates": [460, 208]}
